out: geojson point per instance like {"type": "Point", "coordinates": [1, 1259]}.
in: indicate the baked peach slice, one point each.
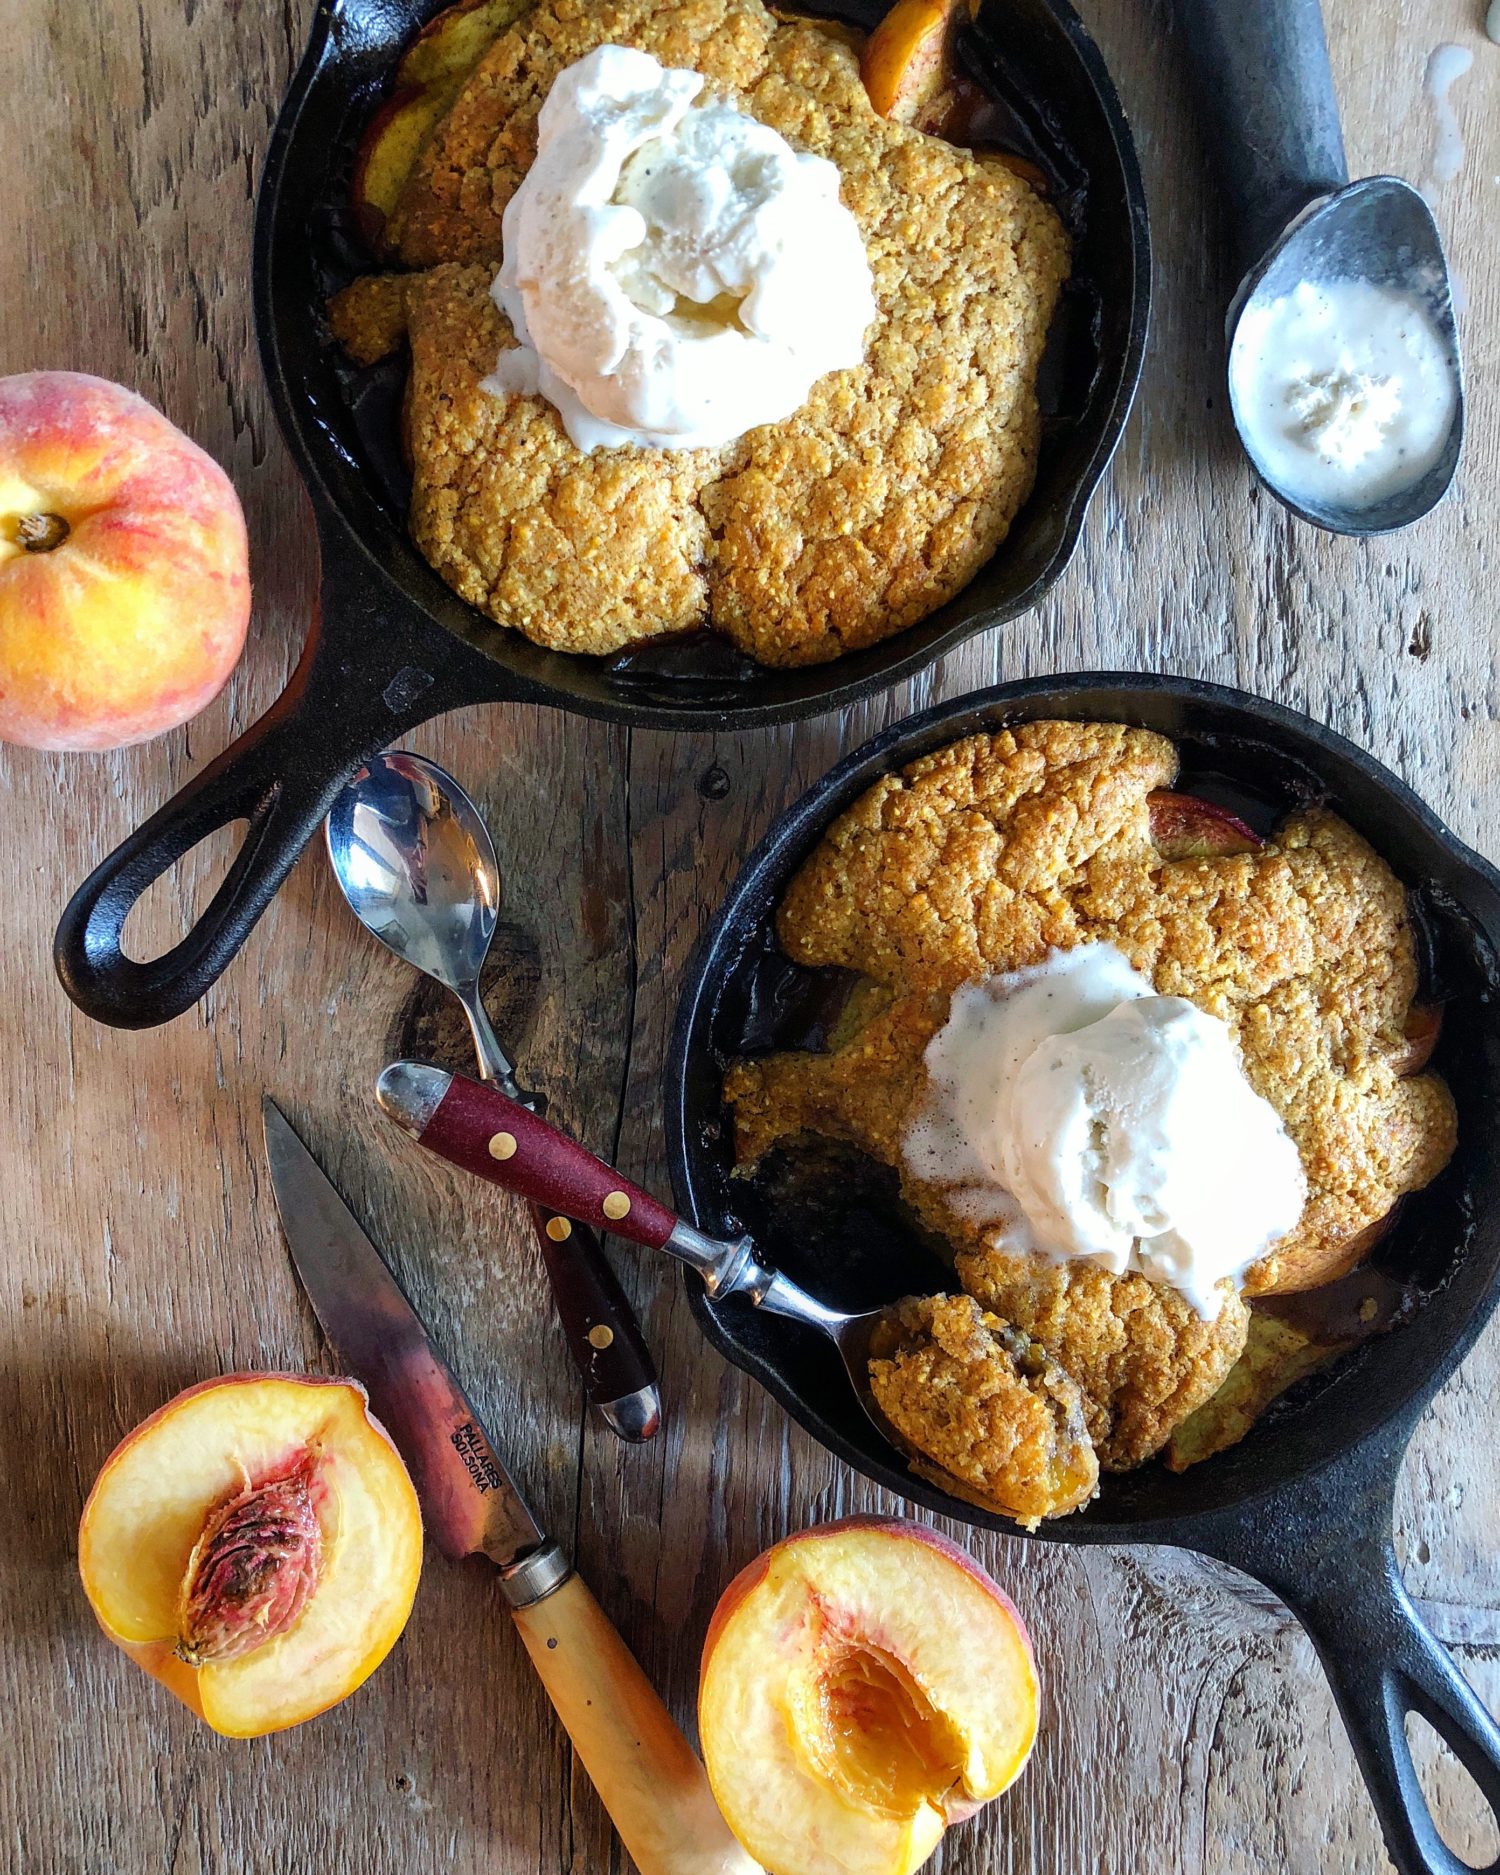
{"type": "Point", "coordinates": [864, 1684]}
{"type": "Point", "coordinates": [255, 1546]}
{"type": "Point", "coordinates": [1184, 826]}
{"type": "Point", "coordinates": [431, 73]}
{"type": "Point", "coordinates": [911, 76]}
{"type": "Point", "coordinates": [1423, 1031]}
{"type": "Point", "coordinates": [1275, 1357]}
{"type": "Point", "coordinates": [907, 63]}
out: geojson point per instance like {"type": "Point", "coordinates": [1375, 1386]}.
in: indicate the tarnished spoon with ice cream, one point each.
{"type": "Point", "coordinates": [1345, 379]}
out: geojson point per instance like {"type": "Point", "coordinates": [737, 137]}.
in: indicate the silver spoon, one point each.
{"type": "Point", "coordinates": [460, 1121]}
{"type": "Point", "coordinates": [415, 861]}
{"type": "Point", "coordinates": [1266, 93]}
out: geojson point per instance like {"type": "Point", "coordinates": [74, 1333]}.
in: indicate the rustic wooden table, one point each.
{"type": "Point", "coordinates": [1187, 1725]}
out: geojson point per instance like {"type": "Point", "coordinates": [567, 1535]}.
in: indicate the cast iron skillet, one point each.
{"type": "Point", "coordinates": [1304, 1502]}
{"type": "Point", "coordinates": [393, 646]}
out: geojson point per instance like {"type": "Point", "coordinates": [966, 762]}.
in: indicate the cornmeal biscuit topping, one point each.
{"type": "Point", "coordinates": [986, 1404]}
{"type": "Point", "coordinates": [982, 858]}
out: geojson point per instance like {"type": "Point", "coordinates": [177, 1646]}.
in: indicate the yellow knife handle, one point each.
{"type": "Point", "coordinates": [646, 1773]}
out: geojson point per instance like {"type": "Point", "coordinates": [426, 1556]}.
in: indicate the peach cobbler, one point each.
{"type": "Point", "coordinates": [699, 338]}
{"type": "Point", "coordinates": [1140, 1071]}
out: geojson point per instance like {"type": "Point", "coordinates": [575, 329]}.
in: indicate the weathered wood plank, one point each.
{"type": "Point", "coordinates": [1188, 1728]}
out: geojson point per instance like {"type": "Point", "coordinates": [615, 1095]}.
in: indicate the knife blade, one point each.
{"type": "Point", "coordinates": [647, 1775]}
{"type": "Point", "coordinates": [469, 1501]}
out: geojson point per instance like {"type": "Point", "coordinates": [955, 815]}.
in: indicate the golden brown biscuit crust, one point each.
{"type": "Point", "coordinates": [475, 160]}
{"type": "Point", "coordinates": [852, 519]}
{"type": "Point", "coordinates": [982, 857]}
{"type": "Point", "coordinates": [985, 1405]}
{"type": "Point", "coordinates": [369, 317]}
{"type": "Point", "coordinates": [515, 518]}
{"type": "Point", "coordinates": [1142, 1355]}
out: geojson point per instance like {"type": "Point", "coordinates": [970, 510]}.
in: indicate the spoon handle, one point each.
{"type": "Point", "coordinates": [603, 1335]}
{"type": "Point", "coordinates": [598, 1323]}
{"type": "Point", "coordinates": [483, 1131]}
{"type": "Point", "coordinates": [1270, 112]}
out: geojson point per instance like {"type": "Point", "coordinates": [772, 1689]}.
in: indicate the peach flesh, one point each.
{"type": "Point", "coordinates": [875, 1733]}
{"type": "Point", "coordinates": [864, 1685]}
{"type": "Point", "coordinates": [124, 567]}
{"type": "Point", "coordinates": [907, 60]}
{"type": "Point", "coordinates": [168, 1482]}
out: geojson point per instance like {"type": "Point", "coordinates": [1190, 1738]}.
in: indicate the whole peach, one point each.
{"type": "Point", "coordinates": [124, 567]}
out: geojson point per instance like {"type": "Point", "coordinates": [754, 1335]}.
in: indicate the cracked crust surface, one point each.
{"type": "Point", "coordinates": [863, 512]}
{"type": "Point", "coordinates": [982, 857]}
{"type": "Point", "coordinates": [1142, 1355]}
{"type": "Point", "coordinates": [518, 521]}
{"type": "Point", "coordinates": [986, 1405]}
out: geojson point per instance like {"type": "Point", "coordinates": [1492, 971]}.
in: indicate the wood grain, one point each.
{"type": "Point", "coordinates": [1187, 1730]}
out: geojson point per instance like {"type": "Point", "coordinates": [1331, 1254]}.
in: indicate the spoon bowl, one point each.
{"type": "Point", "coordinates": [461, 1121]}
{"type": "Point", "coordinates": [1292, 216]}
{"type": "Point", "coordinates": [853, 1336]}
{"type": "Point", "coordinates": [1379, 230]}
{"type": "Point", "coordinates": [416, 863]}
{"type": "Point", "coordinates": [731, 1267]}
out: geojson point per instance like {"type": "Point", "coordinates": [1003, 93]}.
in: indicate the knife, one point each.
{"type": "Point", "coordinates": [650, 1781]}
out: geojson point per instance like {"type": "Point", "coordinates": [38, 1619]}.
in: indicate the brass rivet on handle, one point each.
{"type": "Point", "coordinates": [615, 1205]}
{"type": "Point", "coordinates": [503, 1146]}
{"type": "Point", "coordinates": [559, 1229]}
{"type": "Point", "coordinates": [601, 1337]}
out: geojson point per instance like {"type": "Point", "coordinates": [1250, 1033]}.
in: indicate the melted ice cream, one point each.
{"type": "Point", "coordinates": [1343, 391]}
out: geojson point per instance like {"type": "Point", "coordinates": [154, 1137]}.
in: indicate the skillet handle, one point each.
{"type": "Point", "coordinates": [353, 691]}
{"type": "Point", "coordinates": [1383, 1662]}
{"type": "Point", "coordinates": [1325, 1548]}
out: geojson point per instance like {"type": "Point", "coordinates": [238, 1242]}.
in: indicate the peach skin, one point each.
{"type": "Point", "coordinates": [907, 62]}
{"type": "Point", "coordinates": [432, 72]}
{"type": "Point", "coordinates": [124, 567]}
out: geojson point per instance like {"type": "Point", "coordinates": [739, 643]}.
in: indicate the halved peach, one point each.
{"type": "Point", "coordinates": [1183, 826]}
{"type": "Point", "coordinates": [864, 1684]}
{"type": "Point", "coordinates": [255, 1545]}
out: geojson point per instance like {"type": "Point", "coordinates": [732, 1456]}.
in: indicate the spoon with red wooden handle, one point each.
{"type": "Point", "coordinates": [481, 1131]}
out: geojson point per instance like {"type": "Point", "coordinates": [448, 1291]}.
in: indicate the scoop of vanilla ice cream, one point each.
{"type": "Point", "coordinates": [676, 275]}
{"type": "Point", "coordinates": [1092, 1118]}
